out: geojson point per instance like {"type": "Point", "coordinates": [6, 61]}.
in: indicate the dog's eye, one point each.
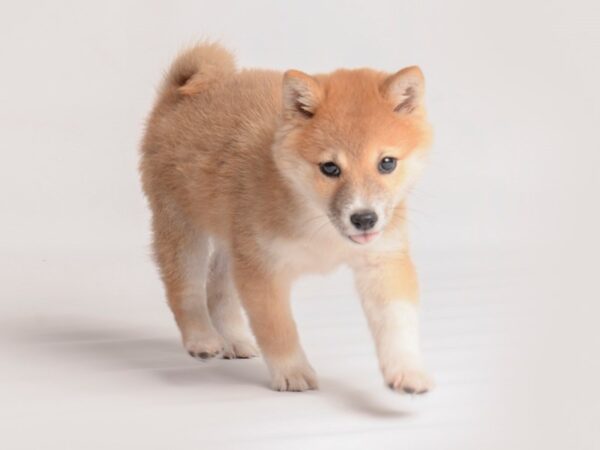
{"type": "Point", "coordinates": [387, 164]}
{"type": "Point", "coordinates": [330, 169]}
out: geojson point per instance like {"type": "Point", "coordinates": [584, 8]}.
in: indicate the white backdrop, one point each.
{"type": "Point", "coordinates": [512, 91]}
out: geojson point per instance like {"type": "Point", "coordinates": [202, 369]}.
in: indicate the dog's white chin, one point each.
{"type": "Point", "coordinates": [364, 238]}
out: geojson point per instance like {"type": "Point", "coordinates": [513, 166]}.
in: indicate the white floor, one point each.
{"type": "Point", "coordinates": [91, 359]}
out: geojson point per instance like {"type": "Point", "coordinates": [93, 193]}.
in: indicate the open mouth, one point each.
{"type": "Point", "coordinates": [363, 238]}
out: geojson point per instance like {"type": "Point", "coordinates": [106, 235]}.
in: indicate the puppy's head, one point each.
{"type": "Point", "coordinates": [352, 143]}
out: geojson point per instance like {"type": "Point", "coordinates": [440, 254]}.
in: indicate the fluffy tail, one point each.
{"type": "Point", "coordinates": [196, 68]}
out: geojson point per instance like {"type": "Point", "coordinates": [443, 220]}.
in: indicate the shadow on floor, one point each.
{"type": "Point", "coordinates": [105, 349]}
{"type": "Point", "coordinates": [110, 349]}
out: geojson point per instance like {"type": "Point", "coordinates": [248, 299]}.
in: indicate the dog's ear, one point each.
{"type": "Point", "coordinates": [301, 94]}
{"type": "Point", "coordinates": [405, 89]}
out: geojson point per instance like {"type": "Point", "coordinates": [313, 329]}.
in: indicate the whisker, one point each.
{"type": "Point", "coordinates": [319, 229]}
{"type": "Point", "coordinates": [312, 219]}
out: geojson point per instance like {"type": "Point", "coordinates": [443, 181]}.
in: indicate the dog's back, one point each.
{"type": "Point", "coordinates": [209, 132]}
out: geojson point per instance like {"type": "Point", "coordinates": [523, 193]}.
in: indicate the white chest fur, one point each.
{"type": "Point", "coordinates": [321, 254]}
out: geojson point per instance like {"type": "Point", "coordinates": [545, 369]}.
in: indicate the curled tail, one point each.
{"type": "Point", "coordinates": [195, 68]}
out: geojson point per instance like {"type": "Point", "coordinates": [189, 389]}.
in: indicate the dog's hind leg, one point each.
{"type": "Point", "coordinates": [225, 308]}
{"type": "Point", "coordinates": [182, 253]}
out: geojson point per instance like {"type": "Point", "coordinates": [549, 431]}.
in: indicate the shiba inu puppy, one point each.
{"type": "Point", "coordinates": [255, 177]}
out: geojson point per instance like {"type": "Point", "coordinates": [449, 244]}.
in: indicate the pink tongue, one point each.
{"type": "Point", "coordinates": [363, 238]}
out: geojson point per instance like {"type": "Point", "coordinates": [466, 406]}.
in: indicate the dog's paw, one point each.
{"type": "Point", "coordinates": [295, 376]}
{"type": "Point", "coordinates": [204, 345]}
{"type": "Point", "coordinates": [240, 348]}
{"type": "Point", "coordinates": [410, 380]}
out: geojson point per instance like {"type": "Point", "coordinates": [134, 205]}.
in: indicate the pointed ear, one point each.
{"type": "Point", "coordinates": [405, 89]}
{"type": "Point", "coordinates": [301, 94]}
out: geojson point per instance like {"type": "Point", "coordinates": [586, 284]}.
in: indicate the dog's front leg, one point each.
{"type": "Point", "coordinates": [265, 297]}
{"type": "Point", "coordinates": [389, 292]}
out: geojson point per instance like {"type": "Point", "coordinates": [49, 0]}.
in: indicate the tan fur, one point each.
{"type": "Point", "coordinates": [233, 157]}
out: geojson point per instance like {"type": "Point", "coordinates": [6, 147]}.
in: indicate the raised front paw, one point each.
{"type": "Point", "coordinates": [408, 378]}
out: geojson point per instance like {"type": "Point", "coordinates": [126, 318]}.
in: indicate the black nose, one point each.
{"type": "Point", "coordinates": [364, 220]}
